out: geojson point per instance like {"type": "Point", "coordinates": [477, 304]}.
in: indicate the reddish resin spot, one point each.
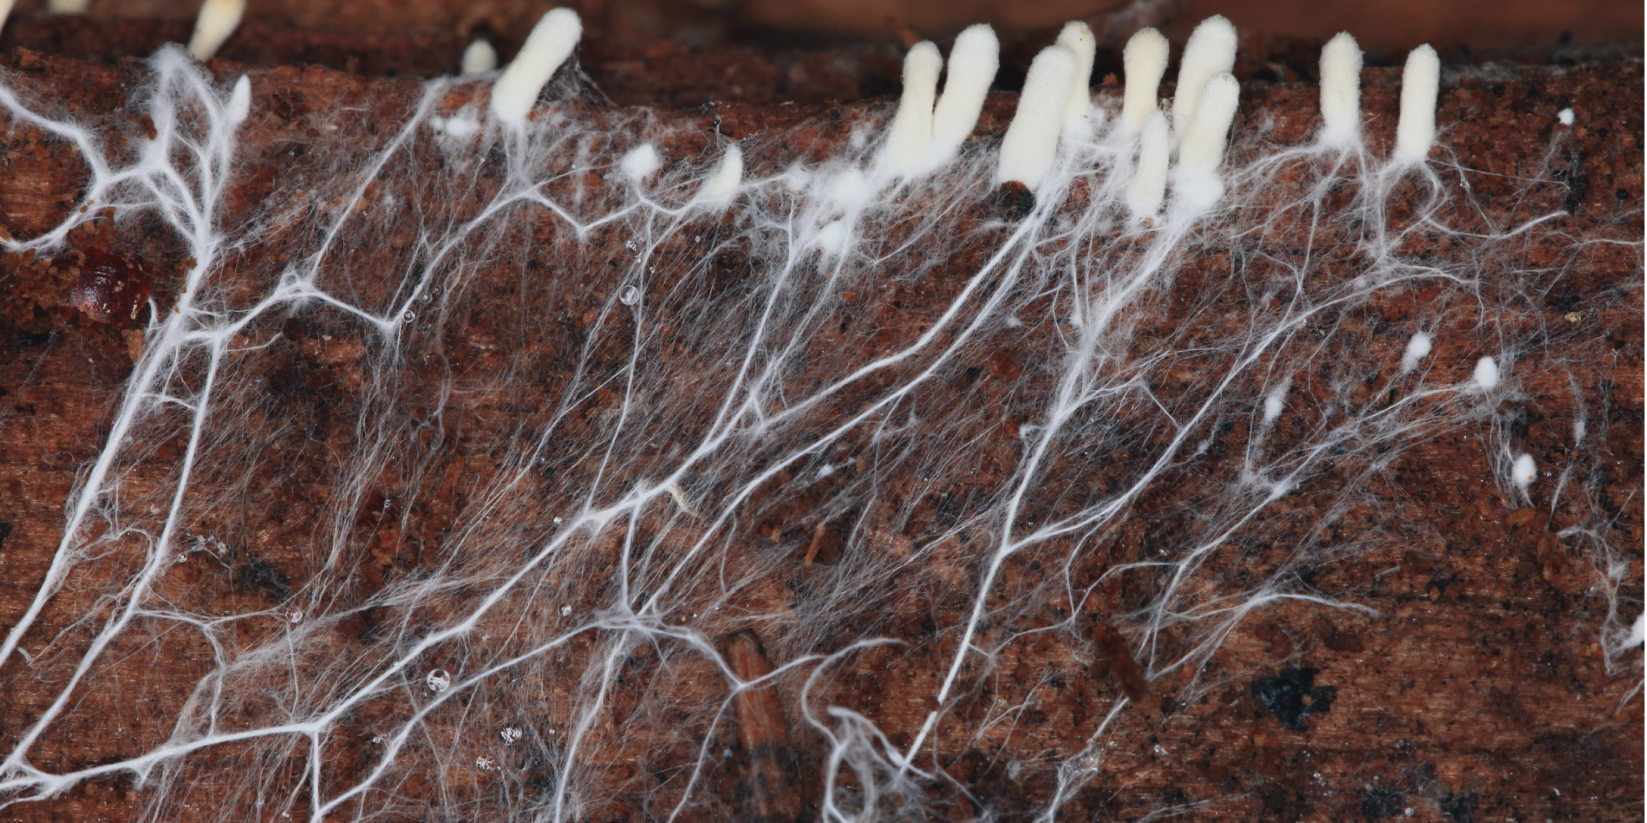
{"type": "Point", "coordinates": [109, 289]}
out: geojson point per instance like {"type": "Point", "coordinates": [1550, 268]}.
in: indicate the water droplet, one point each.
{"type": "Point", "coordinates": [510, 734]}
{"type": "Point", "coordinates": [629, 296]}
{"type": "Point", "coordinates": [438, 680]}
{"type": "Point", "coordinates": [409, 316]}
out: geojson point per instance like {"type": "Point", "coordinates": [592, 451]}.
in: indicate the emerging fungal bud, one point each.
{"type": "Point", "coordinates": [1420, 83]}
{"type": "Point", "coordinates": [1210, 51]}
{"type": "Point", "coordinates": [1486, 374]}
{"type": "Point", "coordinates": [725, 180]}
{"type": "Point", "coordinates": [1524, 471]}
{"type": "Point", "coordinates": [640, 162]}
{"type": "Point", "coordinates": [1144, 60]}
{"type": "Point", "coordinates": [480, 58]}
{"type": "Point", "coordinates": [972, 65]}
{"type": "Point", "coordinates": [1148, 186]}
{"type": "Point", "coordinates": [1077, 37]}
{"type": "Point", "coordinates": [1032, 139]}
{"type": "Point", "coordinates": [910, 136]}
{"type": "Point", "coordinates": [1341, 91]}
{"type": "Point", "coordinates": [217, 20]}
{"type": "Point", "coordinates": [240, 101]}
{"type": "Point", "coordinates": [1202, 150]}
{"type": "Point", "coordinates": [1418, 348]}
{"type": "Point", "coordinates": [545, 49]}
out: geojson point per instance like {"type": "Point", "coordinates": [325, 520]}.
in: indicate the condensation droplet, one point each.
{"type": "Point", "coordinates": [629, 296]}
{"type": "Point", "coordinates": [438, 680]}
{"type": "Point", "coordinates": [565, 610]}
{"type": "Point", "coordinates": [409, 316]}
{"type": "Point", "coordinates": [509, 734]}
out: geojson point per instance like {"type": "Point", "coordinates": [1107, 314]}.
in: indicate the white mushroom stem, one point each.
{"type": "Point", "coordinates": [240, 101]}
{"type": "Point", "coordinates": [546, 48]}
{"type": "Point", "coordinates": [1077, 37]}
{"type": "Point", "coordinates": [480, 58]}
{"type": "Point", "coordinates": [1148, 186]}
{"type": "Point", "coordinates": [1203, 148]}
{"type": "Point", "coordinates": [1031, 141]}
{"type": "Point", "coordinates": [1420, 84]}
{"type": "Point", "coordinates": [1341, 91]}
{"type": "Point", "coordinates": [973, 62]}
{"type": "Point", "coordinates": [1144, 60]}
{"type": "Point", "coordinates": [910, 136]}
{"type": "Point", "coordinates": [1210, 51]}
{"type": "Point", "coordinates": [217, 20]}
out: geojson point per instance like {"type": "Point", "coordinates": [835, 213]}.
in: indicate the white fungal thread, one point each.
{"type": "Point", "coordinates": [1420, 86]}
{"type": "Point", "coordinates": [973, 62]}
{"type": "Point", "coordinates": [1077, 37]}
{"type": "Point", "coordinates": [562, 416]}
{"type": "Point", "coordinates": [1144, 60]}
{"type": "Point", "coordinates": [910, 137]}
{"type": "Point", "coordinates": [217, 20]}
{"type": "Point", "coordinates": [1032, 139]}
{"type": "Point", "coordinates": [548, 46]}
{"type": "Point", "coordinates": [479, 57]}
{"type": "Point", "coordinates": [1341, 91]}
{"type": "Point", "coordinates": [1209, 53]}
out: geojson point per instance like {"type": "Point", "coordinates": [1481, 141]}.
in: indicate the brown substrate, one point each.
{"type": "Point", "coordinates": [1478, 692]}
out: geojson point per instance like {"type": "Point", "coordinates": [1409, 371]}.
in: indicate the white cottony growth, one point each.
{"type": "Point", "coordinates": [1148, 186]}
{"type": "Point", "coordinates": [1485, 377]}
{"type": "Point", "coordinates": [455, 458]}
{"type": "Point", "coordinates": [1638, 631]}
{"type": "Point", "coordinates": [548, 46]}
{"type": "Point", "coordinates": [640, 162]}
{"type": "Point", "coordinates": [1418, 348]}
{"type": "Point", "coordinates": [910, 136]}
{"type": "Point", "coordinates": [1077, 37]}
{"type": "Point", "coordinates": [1202, 150]}
{"type": "Point", "coordinates": [1420, 84]}
{"type": "Point", "coordinates": [1524, 471]}
{"type": "Point", "coordinates": [217, 20]}
{"type": "Point", "coordinates": [1209, 52]}
{"type": "Point", "coordinates": [240, 101]}
{"type": "Point", "coordinates": [725, 180]}
{"type": "Point", "coordinates": [1565, 117]}
{"type": "Point", "coordinates": [973, 62]}
{"type": "Point", "coordinates": [1031, 141]}
{"type": "Point", "coordinates": [480, 58]}
{"type": "Point", "coordinates": [1144, 60]}
{"type": "Point", "coordinates": [1341, 91]}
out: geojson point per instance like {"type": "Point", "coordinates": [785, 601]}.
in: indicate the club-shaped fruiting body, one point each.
{"type": "Point", "coordinates": [910, 136]}
{"type": "Point", "coordinates": [5, 11]}
{"type": "Point", "coordinates": [1202, 150]}
{"type": "Point", "coordinates": [1144, 60]}
{"type": "Point", "coordinates": [1032, 139]}
{"type": "Point", "coordinates": [1486, 374]}
{"type": "Point", "coordinates": [545, 49]}
{"type": "Point", "coordinates": [1420, 82]}
{"type": "Point", "coordinates": [640, 162]}
{"type": "Point", "coordinates": [1524, 471]}
{"type": "Point", "coordinates": [1148, 186]}
{"type": "Point", "coordinates": [480, 58]}
{"type": "Point", "coordinates": [217, 20]}
{"type": "Point", "coordinates": [724, 181]}
{"type": "Point", "coordinates": [1209, 52]}
{"type": "Point", "coordinates": [67, 6]}
{"type": "Point", "coordinates": [1077, 37]}
{"type": "Point", "coordinates": [973, 62]}
{"type": "Point", "coordinates": [240, 101]}
{"type": "Point", "coordinates": [1341, 91]}
{"type": "Point", "coordinates": [1418, 348]}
